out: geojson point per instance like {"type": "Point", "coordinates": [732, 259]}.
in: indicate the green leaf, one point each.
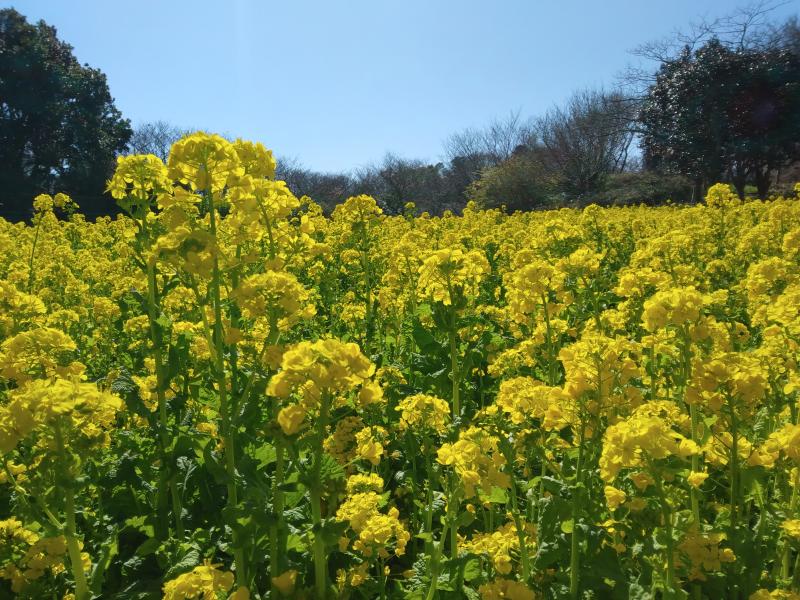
{"type": "Point", "coordinates": [472, 570]}
{"type": "Point", "coordinates": [148, 547]}
{"type": "Point", "coordinates": [497, 496]}
{"type": "Point", "coordinates": [187, 562]}
{"type": "Point", "coordinates": [213, 466]}
{"type": "Point", "coordinates": [424, 340]}
{"type": "Point", "coordinates": [265, 455]}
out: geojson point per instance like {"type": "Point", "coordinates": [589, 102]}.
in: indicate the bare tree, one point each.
{"type": "Point", "coordinates": [326, 189]}
{"type": "Point", "coordinates": [748, 27]}
{"type": "Point", "coordinates": [396, 180]}
{"type": "Point", "coordinates": [494, 143]}
{"type": "Point", "coordinates": [156, 138]}
{"type": "Point", "coordinates": [585, 140]}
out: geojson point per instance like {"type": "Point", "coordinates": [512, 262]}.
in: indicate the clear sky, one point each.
{"type": "Point", "coordinates": [336, 84]}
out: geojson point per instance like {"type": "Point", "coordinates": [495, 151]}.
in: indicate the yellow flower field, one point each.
{"type": "Point", "coordinates": [224, 393]}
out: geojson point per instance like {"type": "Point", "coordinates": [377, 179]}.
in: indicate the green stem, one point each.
{"type": "Point", "coordinates": [429, 500]}
{"type": "Point", "coordinates": [523, 545]}
{"type": "Point", "coordinates": [73, 548]}
{"type": "Point", "coordinates": [26, 497]}
{"type": "Point", "coordinates": [653, 383]}
{"type": "Point", "coordinates": [368, 313]}
{"type": "Point", "coordinates": [667, 516]}
{"type": "Point", "coordinates": [734, 534]}
{"type": "Point", "coordinates": [694, 493]}
{"type": "Point", "coordinates": [382, 575]}
{"type": "Point", "coordinates": [33, 254]}
{"type": "Point", "coordinates": [277, 549]}
{"type": "Point", "coordinates": [436, 564]}
{"type": "Point", "coordinates": [438, 550]}
{"type": "Point", "coordinates": [320, 562]}
{"type": "Point", "coordinates": [787, 546]}
{"type": "Point", "coordinates": [574, 561]}
{"type": "Point", "coordinates": [734, 492]}
{"type": "Point", "coordinates": [551, 354]}
{"type": "Point", "coordinates": [76, 563]}
{"type": "Point", "coordinates": [224, 408]}
{"type": "Point", "coordinates": [165, 481]}
{"type": "Point", "coordinates": [454, 369]}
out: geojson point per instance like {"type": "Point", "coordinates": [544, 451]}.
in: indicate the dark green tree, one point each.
{"type": "Point", "coordinates": [722, 113]}
{"type": "Point", "coordinates": [59, 128]}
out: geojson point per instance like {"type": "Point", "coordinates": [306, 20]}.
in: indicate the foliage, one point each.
{"type": "Point", "coordinates": [719, 112]}
{"type": "Point", "coordinates": [519, 183]}
{"type": "Point", "coordinates": [224, 393]}
{"type": "Point", "coordinates": [59, 128]}
{"type": "Point", "coordinates": [648, 187]}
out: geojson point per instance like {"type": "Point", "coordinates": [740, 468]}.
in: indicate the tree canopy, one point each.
{"type": "Point", "coordinates": [59, 128]}
{"type": "Point", "coordinates": [721, 113]}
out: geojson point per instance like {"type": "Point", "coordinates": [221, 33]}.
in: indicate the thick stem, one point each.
{"type": "Point", "coordinates": [694, 493]}
{"type": "Point", "coordinates": [368, 312]}
{"type": "Point", "coordinates": [735, 509]}
{"type": "Point", "coordinates": [73, 547]}
{"type": "Point", "coordinates": [224, 408]}
{"type": "Point", "coordinates": [454, 369]}
{"type": "Point", "coordinates": [320, 562]}
{"type": "Point", "coordinates": [438, 550]}
{"type": "Point", "coordinates": [382, 574]}
{"type": "Point", "coordinates": [277, 550]}
{"type": "Point", "coordinates": [523, 544]}
{"type": "Point", "coordinates": [787, 546]}
{"type": "Point", "coordinates": [734, 466]}
{"type": "Point", "coordinates": [429, 499]}
{"type": "Point", "coordinates": [164, 481]}
{"type": "Point", "coordinates": [33, 255]}
{"type": "Point", "coordinates": [551, 354]}
{"type": "Point", "coordinates": [667, 516]}
{"type": "Point", "coordinates": [436, 564]}
{"type": "Point", "coordinates": [574, 560]}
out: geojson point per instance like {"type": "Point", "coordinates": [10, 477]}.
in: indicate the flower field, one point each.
{"type": "Point", "coordinates": [225, 393]}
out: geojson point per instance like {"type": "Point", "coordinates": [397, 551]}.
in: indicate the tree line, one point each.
{"type": "Point", "coordinates": [718, 102]}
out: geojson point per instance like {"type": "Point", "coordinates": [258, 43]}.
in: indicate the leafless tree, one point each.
{"type": "Point", "coordinates": [494, 143]}
{"type": "Point", "coordinates": [326, 189]}
{"type": "Point", "coordinates": [156, 138]}
{"type": "Point", "coordinates": [588, 138]}
{"type": "Point", "coordinates": [396, 180]}
{"type": "Point", "coordinates": [747, 27]}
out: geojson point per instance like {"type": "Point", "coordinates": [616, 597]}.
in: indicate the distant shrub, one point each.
{"type": "Point", "coordinates": [646, 187]}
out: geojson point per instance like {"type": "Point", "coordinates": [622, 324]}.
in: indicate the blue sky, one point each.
{"type": "Point", "coordinates": [337, 84]}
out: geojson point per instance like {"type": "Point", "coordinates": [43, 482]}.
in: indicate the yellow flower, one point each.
{"type": "Point", "coordinates": [720, 195]}
{"type": "Point", "coordinates": [291, 418]}
{"type": "Point", "coordinates": [614, 497]}
{"type": "Point", "coordinates": [696, 478]}
{"type": "Point", "coordinates": [285, 582]}
{"type": "Point", "coordinates": [274, 293]}
{"type": "Point", "coordinates": [205, 162]}
{"type": "Point", "coordinates": [204, 582]}
{"type": "Point", "coordinates": [421, 411]}
{"type": "Point", "coordinates": [500, 545]}
{"type": "Point", "coordinates": [241, 593]}
{"type": "Point", "coordinates": [505, 589]}
{"type": "Point", "coordinates": [370, 444]}
{"type": "Point", "coordinates": [140, 178]}
{"type": "Point", "coordinates": [451, 271]}
{"type": "Point", "coordinates": [792, 528]}
{"type": "Point", "coordinates": [476, 459]}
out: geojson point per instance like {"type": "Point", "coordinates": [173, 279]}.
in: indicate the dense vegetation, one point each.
{"type": "Point", "coordinates": [227, 394]}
